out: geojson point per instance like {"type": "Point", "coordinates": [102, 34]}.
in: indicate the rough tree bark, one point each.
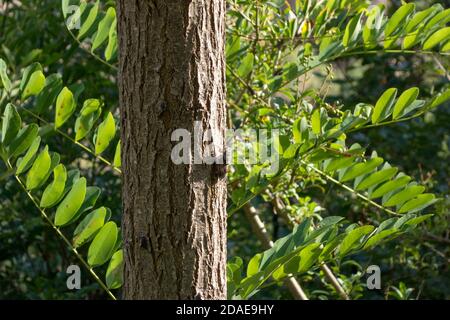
{"type": "Point", "coordinates": [171, 73]}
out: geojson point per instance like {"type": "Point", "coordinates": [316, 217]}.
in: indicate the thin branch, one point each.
{"type": "Point", "coordinates": [63, 237]}
{"type": "Point", "coordinates": [65, 135]}
{"type": "Point", "coordinates": [359, 195]}
{"type": "Point", "coordinates": [80, 45]}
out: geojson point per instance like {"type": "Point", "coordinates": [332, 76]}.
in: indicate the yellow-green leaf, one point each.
{"type": "Point", "coordinates": [4, 79]}
{"type": "Point", "coordinates": [352, 31]}
{"type": "Point", "coordinates": [384, 105]}
{"type": "Point", "coordinates": [418, 203]}
{"type": "Point", "coordinates": [404, 195]}
{"type": "Point", "coordinates": [398, 19]}
{"type": "Point", "coordinates": [117, 158]}
{"type": "Point", "coordinates": [352, 240]}
{"type": "Point", "coordinates": [101, 248]}
{"type": "Point", "coordinates": [88, 116]}
{"type": "Point", "coordinates": [89, 226]}
{"type": "Point", "coordinates": [25, 163]}
{"type": "Point", "coordinates": [114, 273]}
{"type": "Point", "coordinates": [11, 123]}
{"type": "Point", "coordinates": [406, 98]}
{"type": "Point", "coordinates": [246, 65]}
{"type": "Point", "coordinates": [446, 47]}
{"type": "Point", "coordinates": [27, 73]}
{"type": "Point", "coordinates": [376, 178]}
{"type": "Point", "coordinates": [253, 265]}
{"type": "Point", "coordinates": [439, 36]}
{"type": "Point", "coordinates": [34, 85]}
{"type": "Point", "coordinates": [315, 122]}
{"type": "Point", "coordinates": [87, 24]}
{"type": "Point", "coordinates": [54, 191]}
{"type": "Point", "coordinates": [39, 170]}
{"type": "Point", "coordinates": [105, 133]}
{"type": "Point", "coordinates": [65, 106]}
{"type": "Point", "coordinates": [71, 203]}
{"type": "Point", "coordinates": [361, 168]}
{"type": "Point", "coordinates": [23, 141]}
{"type": "Point", "coordinates": [390, 186]}
{"type": "Point", "coordinates": [103, 28]}
{"type": "Point", "coordinates": [111, 48]}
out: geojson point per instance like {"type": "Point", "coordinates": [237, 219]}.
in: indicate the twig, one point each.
{"type": "Point", "coordinates": [64, 238]}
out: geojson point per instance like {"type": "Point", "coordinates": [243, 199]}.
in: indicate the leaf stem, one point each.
{"type": "Point", "coordinates": [359, 195]}
{"type": "Point", "coordinates": [65, 135]}
{"type": "Point", "coordinates": [63, 237]}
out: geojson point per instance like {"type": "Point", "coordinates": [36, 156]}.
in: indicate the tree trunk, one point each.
{"type": "Point", "coordinates": [171, 73]}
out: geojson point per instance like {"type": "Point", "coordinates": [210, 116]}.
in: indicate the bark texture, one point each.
{"type": "Point", "coordinates": [171, 73]}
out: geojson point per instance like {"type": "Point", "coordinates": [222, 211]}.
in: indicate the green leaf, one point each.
{"type": "Point", "coordinates": [25, 163]}
{"type": "Point", "coordinates": [111, 48]}
{"type": "Point", "coordinates": [11, 124]}
{"type": "Point", "coordinates": [376, 178]}
{"type": "Point", "coordinates": [91, 197]}
{"type": "Point", "coordinates": [72, 178]}
{"type": "Point", "coordinates": [246, 65]}
{"type": "Point", "coordinates": [398, 18]}
{"type": "Point", "coordinates": [352, 31]}
{"type": "Point", "coordinates": [300, 130]}
{"type": "Point", "coordinates": [117, 159]}
{"type": "Point", "coordinates": [438, 20]}
{"type": "Point", "coordinates": [89, 226]}
{"type": "Point", "coordinates": [4, 79]}
{"type": "Point", "coordinates": [101, 248]}
{"type": "Point", "coordinates": [404, 195]}
{"type": "Point", "coordinates": [27, 73]}
{"type": "Point", "coordinates": [379, 237]}
{"type": "Point", "coordinates": [304, 260]}
{"type": "Point", "coordinates": [105, 133]}
{"type": "Point", "coordinates": [446, 47]}
{"type": "Point", "coordinates": [390, 186]}
{"type": "Point", "coordinates": [89, 22]}
{"type": "Point", "coordinates": [418, 19]}
{"type": "Point", "coordinates": [361, 168]}
{"type": "Point", "coordinates": [71, 203]}
{"type": "Point", "coordinates": [65, 106]}
{"type": "Point", "coordinates": [406, 98]}
{"type": "Point", "coordinates": [103, 28]}
{"type": "Point", "coordinates": [253, 265]}
{"type": "Point", "coordinates": [315, 122]}
{"type": "Point", "coordinates": [440, 99]}
{"type": "Point", "coordinates": [439, 36]}
{"type": "Point", "coordinates": [352, 240]}
{"type": "Point", "coordinates": [34, 85]}
{"type": "Point", "coordinates": [383, 106]}
{"type": "Point", "coordinates": [39, 170]}
{"type": "Point", "coordinates": [420, 202]}
{"type": "Point", "coordinates": [53, 86]}
{"type": "Point", "coordinates": [412, 39]}
{"type": "Point", "coordinates": [415, 221]}
{"type": "Point", "coordinates": [55, 191]}
{"type": "Point", "coordinates": [65, 7]}
{"type": "Point", "coordinates": [23, 141]}
{"type": "Point", "coordinates": [114, 273]}
{"type": "Point", "coordinates": [55, 159]}
{"type": "Point", "coordinates": [89, 114]}
{"type": "Point", "coordinates": [372, 26]}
